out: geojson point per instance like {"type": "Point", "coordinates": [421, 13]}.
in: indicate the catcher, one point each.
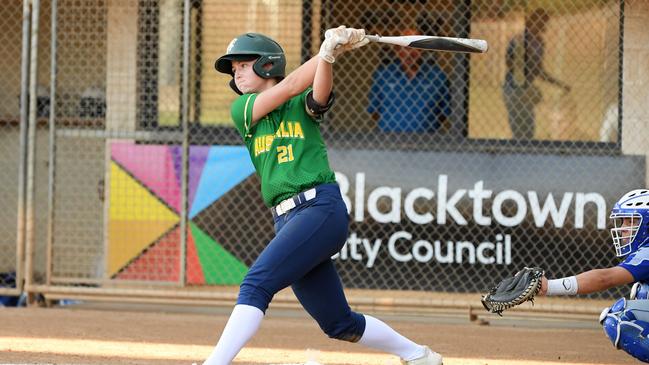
{"type": "Point", "coordinates": [626, 322]}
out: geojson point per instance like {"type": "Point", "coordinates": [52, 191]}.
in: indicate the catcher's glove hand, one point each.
{"type": "Point", "coordinates": [513, 291]}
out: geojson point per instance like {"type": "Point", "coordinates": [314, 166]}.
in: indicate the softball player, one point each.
{"type": "Point", "coordinates": [278, 119]}
{"type": "Point", "coordinates": [626, 322]}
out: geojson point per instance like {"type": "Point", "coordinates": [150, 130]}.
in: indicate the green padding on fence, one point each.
{"type": "Point", "coordinates": [219, 266]}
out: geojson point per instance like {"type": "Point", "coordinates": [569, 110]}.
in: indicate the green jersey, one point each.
{"type": "Point", "coordinates": [285, 146]}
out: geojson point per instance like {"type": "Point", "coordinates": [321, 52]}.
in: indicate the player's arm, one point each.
{"type": "Point", "coordinates": [336, 41]}
{"type": "Point", "coordinates": [587, 282]}
{"type": "Point", "coordinates": [601, 279]}
{"type": "Point", "coordinates": [292, 85]}
{"type": "Point", "coordinates": [545, 76]}
{"type": "Point", "coordinates": [322, 82]}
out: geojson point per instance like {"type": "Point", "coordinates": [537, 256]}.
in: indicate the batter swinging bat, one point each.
{"type": "Point", "coordinates": [434, 43]}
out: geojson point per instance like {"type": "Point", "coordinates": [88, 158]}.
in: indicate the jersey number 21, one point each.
{"type": "Point", "coordinates": [284, 153]}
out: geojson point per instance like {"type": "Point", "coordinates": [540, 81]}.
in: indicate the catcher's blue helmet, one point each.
{"type": "Point", "coordinates": [630, 222]}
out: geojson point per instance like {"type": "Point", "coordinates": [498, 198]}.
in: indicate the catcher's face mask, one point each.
{"type": "Point", "coordinates": [625, 228]}
{"type": "Point", "coordinates": [630, 217]}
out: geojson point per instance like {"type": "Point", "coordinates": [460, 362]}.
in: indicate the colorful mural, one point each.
{"type": "Point", "coordinates": [144, 213]}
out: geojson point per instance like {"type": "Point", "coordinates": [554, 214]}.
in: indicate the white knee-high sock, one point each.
{"type": "Point", "coordinates": [380, 336]}
{"type": "Point", "coordinates": [242, 325]}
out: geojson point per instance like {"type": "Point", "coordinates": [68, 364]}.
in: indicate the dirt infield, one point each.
{"type": "Point", "coordinates": [157, 335]}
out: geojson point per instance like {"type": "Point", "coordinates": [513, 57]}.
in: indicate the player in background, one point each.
{"type": "Point", "coordinates": [524, 64]}
{"type": "Point", "coordinates": [278, 118]}
{"type": "Point", "coordinates": [626, 323]}
{"type": "Point", "coordinates": [411, 93]}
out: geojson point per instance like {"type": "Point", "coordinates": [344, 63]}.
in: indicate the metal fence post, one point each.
{"type": "Point", "coordinates": [185, 143]}
{"type": "Point", "coordinates": [24, 80]}
{"type": "Point", "coordinates": [52, 147]}
{"type": "Point", "coordinates": [31, 151]}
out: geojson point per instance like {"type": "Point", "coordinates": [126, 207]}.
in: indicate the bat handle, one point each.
{"type": "Point", "coordinates": [373, 38]}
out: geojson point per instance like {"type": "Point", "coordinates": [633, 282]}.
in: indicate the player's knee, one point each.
{"type": "Point", "coordinates": [639, 290]}
{"type": "Point", "coordinates": [626, 332]}
{"type": "Point", "coordinates": [342, 333]}
{"type": "Point", "coordinates": [629, 336]}
{"type": "Point", "coordinates": [255, 296]}
{"type": "Point", "coordinates": [610, 320]}
{"type": "Point", "coordinates": [349, 329]}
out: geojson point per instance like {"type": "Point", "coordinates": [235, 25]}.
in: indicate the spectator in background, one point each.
{"type": "Point", "coordinates": [524, 64]}
{"type": "Point", "coordinates": [410, 93]}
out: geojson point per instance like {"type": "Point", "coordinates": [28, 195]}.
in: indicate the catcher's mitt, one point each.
{"type": "Point", "coordinates": [513, 291]}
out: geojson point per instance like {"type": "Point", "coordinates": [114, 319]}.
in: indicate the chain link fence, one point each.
{"type": "Point", "coordinates": [456, 168]}
{"type": "Point", "coordinates": [11, 148]}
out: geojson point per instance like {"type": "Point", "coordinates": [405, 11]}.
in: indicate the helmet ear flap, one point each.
{"type": "Point", "coordinates": [233, 86]}
{"type": "Point", "coordinates": [276, 69]}
{"type": "Point", "coordinates": [260, 69]}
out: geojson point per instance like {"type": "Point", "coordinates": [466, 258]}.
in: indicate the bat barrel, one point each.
{"type": "Point", "coordinates": [434, 43]}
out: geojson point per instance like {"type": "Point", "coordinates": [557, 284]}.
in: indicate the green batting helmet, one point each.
{"type": "Point", "coordinates": [249, 46]}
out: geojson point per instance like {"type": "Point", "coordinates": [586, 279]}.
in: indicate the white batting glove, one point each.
{"type": "Point", "coordinates": [333, 38]}
{"type": "Point", "coordinates": [357, 39]}
{"type": "Point", "coordinates": [342, 34]}
{"type": "Point", "coordinates": [339, 40]}
{"type": "Point", "coordinates": [327, 50]}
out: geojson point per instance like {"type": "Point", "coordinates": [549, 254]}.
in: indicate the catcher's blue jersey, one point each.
{"type": "Point", "coordinates": [637, 264]}
{"type": "Point", "coordinates": [626, 323]}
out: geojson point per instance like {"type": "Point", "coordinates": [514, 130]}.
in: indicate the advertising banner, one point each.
{"type": "Point", "coordinates": [418, 220]}
{"type": "Point", "coordinates": [451, 221]}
